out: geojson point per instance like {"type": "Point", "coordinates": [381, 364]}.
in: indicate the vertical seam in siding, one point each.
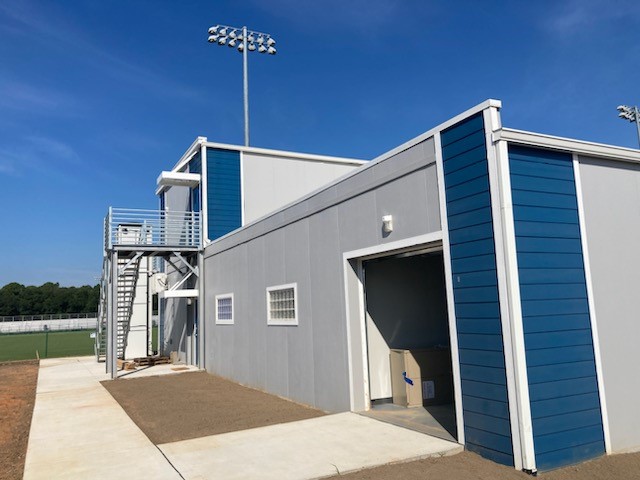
{"type": "Point", "coordinates": [204, 198]}
{"type": "Point", "coordinates": [451, 307]}
{"type": "Point", "coordinates": [513, 330]}
{"type": "Point", "coordinates": [242, 196]}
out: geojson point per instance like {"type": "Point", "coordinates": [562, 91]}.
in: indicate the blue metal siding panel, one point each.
{"type": "Point", "coordinates": [195, 164]}
{"type": "Point", "coordinates": [224, 208]}
{"type": "Point", "coordinates": [463, 129]}
{"type": "Point", "coordinates": [563, 389]}
{"type": "Point", "coordinates": [475, 290]}
{"type": "Point", "coordinates": [569, 456]}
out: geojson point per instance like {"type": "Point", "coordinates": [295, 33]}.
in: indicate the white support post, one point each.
{"type": "Point", "coordinates": [509, 292]}
{"type": "Point", "coordinates": [113, 317]}
{"type": "Point", "coordinates": [109, 282]}
{"type": "Point", "coordinates": [201, 321]}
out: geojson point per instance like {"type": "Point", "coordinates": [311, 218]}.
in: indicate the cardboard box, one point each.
{"type": "Point", "coordinates": [437, 390]}
{"type": "Point", "coordinates": [410, 368]}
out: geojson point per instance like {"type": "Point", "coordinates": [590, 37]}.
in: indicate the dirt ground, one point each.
{"type": "Point", "coordinates": [170, 408]}
{"type": "Point", "coordinates": [469, 466]}
{"type": "Point", "coordinates": [18, 382]}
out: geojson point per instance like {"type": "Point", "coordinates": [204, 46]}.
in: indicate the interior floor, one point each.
{"type": "Point", "coordinates": [437, 420]}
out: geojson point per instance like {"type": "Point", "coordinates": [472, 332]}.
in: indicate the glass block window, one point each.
{"type": "Point", "coordinates": [224, 309]}
{"type": "Point", "coordinates": [282, 305]}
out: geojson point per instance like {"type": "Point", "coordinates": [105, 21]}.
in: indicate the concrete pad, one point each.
{"type": "Point", "coordinates": [79, 431]}
{"type": "Point", "coordinates": [307, 449]}
{"type": "Point", "coordinates": [166, 369]}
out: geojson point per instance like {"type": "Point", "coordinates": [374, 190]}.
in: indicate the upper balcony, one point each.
{"type": "Point", "coordinates": [152, 230]}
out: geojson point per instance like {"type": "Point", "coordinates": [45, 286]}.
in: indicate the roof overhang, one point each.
{"type": "Point", "coordinates": [185, 293]}
{"type": "Point", "coordinates": [177, 179]}
{"type": "Point", "coordinates": [580, 147]}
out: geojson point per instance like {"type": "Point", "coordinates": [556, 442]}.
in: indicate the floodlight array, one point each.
{"type": "Point", "coordinates": [234, 38]}
{"type": "Point", "coordinates": [628, 113]}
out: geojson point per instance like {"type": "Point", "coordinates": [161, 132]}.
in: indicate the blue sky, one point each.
{"type": "Point", "coordinates": [97, 97]}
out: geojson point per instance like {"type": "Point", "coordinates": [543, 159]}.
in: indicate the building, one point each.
{"type": "Point", "coordinates": [512, 251]}
{"type": "Point", "coordinates": [158, 252]}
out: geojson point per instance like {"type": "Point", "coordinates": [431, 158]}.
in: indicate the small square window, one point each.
{"type": "Point", "coordinates": [282, 305]}
{"type": "Point", "coordinates": [224, 309]}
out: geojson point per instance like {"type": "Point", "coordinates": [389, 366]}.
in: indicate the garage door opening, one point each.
{"type": "Point", "coordinates": [408, 345]}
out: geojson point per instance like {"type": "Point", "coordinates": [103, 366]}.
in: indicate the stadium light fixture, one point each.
{"type": "Point", "coordinates": [630, 113]}
{"type": "Point", "coordinates": [245, 41]}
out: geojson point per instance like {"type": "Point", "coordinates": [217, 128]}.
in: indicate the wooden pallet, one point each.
{"type": "Point", "coordinates": [150, 361]}
{"type": "Point", "coordinates": [124, 365]}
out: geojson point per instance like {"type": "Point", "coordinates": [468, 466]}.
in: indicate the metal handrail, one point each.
{"type": "Point", "coordinates": [133, 227]}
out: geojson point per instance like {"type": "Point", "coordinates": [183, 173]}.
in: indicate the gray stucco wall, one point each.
{"type": "Point", "coordinates": [304, 244]}
{"type": "Point", "coordinates": [611, 196]}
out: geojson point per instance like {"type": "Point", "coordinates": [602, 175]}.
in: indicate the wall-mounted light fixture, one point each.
{"type": "Point", "coordinates": [387, 223]}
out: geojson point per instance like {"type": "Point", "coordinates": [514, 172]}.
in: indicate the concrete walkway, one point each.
{"type": "Point", "coordinates": [307, 449]}
{"type": "Point", "coordinates": [79, 431]}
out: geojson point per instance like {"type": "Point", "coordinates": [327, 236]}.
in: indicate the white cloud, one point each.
{"type": "Point", "coordinates": [44, 155]}
{"type": "Point", "coordinates": [362, 17]}
{"type": "Point", "coordinates": [51, 28]}
{"type": "Point", "coordinates": [572, 16]}
{"type": "Point", "coordinates": [29, 98]}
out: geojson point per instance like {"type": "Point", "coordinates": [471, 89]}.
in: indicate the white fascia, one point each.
{"type": "Point", "coordinates": [580, 147]}
{"type": "Point", "coordinates": [509, 292]}
{"type": "Point", "coordinates": [286, 154]}
{"type": "Point", "coordinates": [188, 155]}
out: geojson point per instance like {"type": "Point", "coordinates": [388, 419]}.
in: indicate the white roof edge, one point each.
{"type": "Point", "coordinates": [490, 103]}
{"type": "Point", "coordinates": [287, 154]}
{"type": "Point", "coordinates": [561, 143]}
{"type": "Point", "coordinates": [191, 151]}
{"type": "Point", "coordinates": [430, 133]}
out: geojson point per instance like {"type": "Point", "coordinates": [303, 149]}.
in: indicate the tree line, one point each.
{"type": "Point", "coordinates": [17, 299]}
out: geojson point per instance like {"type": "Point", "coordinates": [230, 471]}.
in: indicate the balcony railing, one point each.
{"type": "Point", "coordinates": [151, 228]}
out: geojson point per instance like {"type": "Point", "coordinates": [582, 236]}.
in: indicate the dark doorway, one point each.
{"type": "Point", "coordinates": [408, 346]}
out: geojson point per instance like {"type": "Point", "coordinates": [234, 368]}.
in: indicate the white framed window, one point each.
{"type": "Point", "coordinates": [282, 305]}
{"type": "Point", "coordinates": [224, 309]}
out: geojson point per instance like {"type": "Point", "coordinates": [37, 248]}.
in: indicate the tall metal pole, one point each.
{"type": "Point", "coordinates": [251, 40]}
{"type": "Point", "coordinates": [246, 86]}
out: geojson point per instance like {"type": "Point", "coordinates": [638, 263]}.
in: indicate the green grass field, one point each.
{"type": "Point", "coordinates": [23, 346]}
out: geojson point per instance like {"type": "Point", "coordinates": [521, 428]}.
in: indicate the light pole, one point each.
{"type": "Point", "coordinates": [246, 41]}
{"type": "Point", "coordinates": [631, 114]}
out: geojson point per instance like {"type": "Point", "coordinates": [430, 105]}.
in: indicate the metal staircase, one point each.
{"type": "Point", "coordinates": [129, 236]}
{"type": "Point", "coordinates": [128, 274]}
{"type": "Point", "coordinates": [101, 333]}
{"type": "Point", "coordinates": [127, 281]}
